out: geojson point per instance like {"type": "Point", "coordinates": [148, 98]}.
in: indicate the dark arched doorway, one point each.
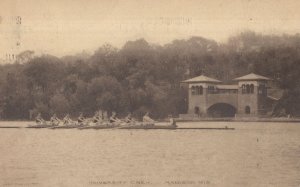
{"type": "Point", "coordinates": [221, 110]}
{"type": "Point", "coordinates": [197, 110]}
{"type": "Point", "coordinates": [247, 110]}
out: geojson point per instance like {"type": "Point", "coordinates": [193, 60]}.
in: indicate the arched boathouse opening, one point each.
{"type": "Point", "coordinates": [221, 110]}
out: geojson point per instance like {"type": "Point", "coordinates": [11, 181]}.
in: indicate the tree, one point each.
{"type": "Point", "coordinates": [59, 104]}
{"type": "Point", "coordinates": [25, 56]}
{"type": "Point", "coordinates": [104, 92]}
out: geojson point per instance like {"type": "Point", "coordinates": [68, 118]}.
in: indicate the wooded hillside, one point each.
{"type": "Point", "coordinates": [142, 77]}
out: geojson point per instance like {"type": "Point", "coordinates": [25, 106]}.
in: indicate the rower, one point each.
{"type": "Point", "coordinates": [39, 119]}
{"type": "Point", "coordinates": [54, 120]}
{"type": "Point", "coordinates": [100, 114]}
{"type": "Point", "coordinates": [113, 118]}
{"type": "Point", "coordinates": [128, 119]}
{"type": "Point", "coordinates": [67, 119]}
{"type": "Point", "coordinates": [105, 116]}
{"type": "Point", "coordinates": [96, 117]}
{"type": "Point", "coordinates": [80, 119]}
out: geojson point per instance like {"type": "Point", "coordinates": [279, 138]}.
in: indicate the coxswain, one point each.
{"type": "Point", "coordinates": [146, 118]}
{"type": "Point", "coordinates": [39, 119]}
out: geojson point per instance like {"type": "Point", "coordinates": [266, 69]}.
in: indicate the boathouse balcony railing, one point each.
{"type": "Point", "coordinates": [222, 91]}
{"type": "Point", "coordinates": [214, 91]}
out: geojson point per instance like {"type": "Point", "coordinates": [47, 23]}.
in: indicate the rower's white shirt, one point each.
{"type": "Point", "coordinates": [147, 119]}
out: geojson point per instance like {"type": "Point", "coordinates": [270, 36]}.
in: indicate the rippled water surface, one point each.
{"type": "Point", "coordinates": [254, 154]}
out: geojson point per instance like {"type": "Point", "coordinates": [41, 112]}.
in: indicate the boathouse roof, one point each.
{"type": "Point", "coordinates": [201, 78]}
{"type": "Point", "coordinates": [228, 87]}
{"type": "Point", "coordinates": [251, 76]}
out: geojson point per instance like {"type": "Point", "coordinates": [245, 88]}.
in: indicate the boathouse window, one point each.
{"type": "Point", "coordinates": [262, 90]}
{"type": "Point", "coordinates": [251, 88]}
{"type": "Point", "coordinates": [211, 89]}
{"type": "Point", "coordinates": [243, 89]}
{"type": "Point", "coordinates": [247, 110]}
{"type": "Point", "coordinates": [199, 90]}
{"type": "Point", "coordinates": [193, 90]}
{"type": "Point", "coordinates": [247, 88]}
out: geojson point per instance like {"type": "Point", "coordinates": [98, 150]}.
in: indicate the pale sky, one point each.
{"type": "Point", "coordinates": [64, 27]}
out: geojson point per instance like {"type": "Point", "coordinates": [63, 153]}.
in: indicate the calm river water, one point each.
{"type": "Point", "coordinates": [254, 154]}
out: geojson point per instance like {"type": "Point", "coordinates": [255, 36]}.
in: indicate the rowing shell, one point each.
{"type": "Point", "coordinates": [99, 126]}
{"type": "Point", "coordinates": [41, 126]}
{"type": "Point", "coordinates": [148, 126]}
{"type": "Point", "coordinates": [70, 126]}
{"type": "Point", "coordinates": [142, 127]}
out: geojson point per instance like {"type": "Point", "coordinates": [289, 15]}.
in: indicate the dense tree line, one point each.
{"type": "Point", "coordinates": [142, 77]}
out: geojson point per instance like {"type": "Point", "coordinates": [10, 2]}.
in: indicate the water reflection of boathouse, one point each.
{"type": "Point", "coordinates": [209, 97]}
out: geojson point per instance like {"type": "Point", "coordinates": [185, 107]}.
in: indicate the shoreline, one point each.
{"type": "Point", "coordinates": [232, 119]}
{"type": "Point", "coordinates": [23, 124]}
{"type": "Point", "coordinates": [289, 120]}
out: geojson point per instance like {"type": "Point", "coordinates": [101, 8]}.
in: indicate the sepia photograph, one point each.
{"type": "Point", "coordinates": [141, 93]}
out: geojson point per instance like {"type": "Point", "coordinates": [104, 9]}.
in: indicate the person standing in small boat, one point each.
{"type": "Point", "coordinates": [172, 121]}
{"type": "Point", "coordinates": [80, 119]}
{"type": "Point", "coordinates": [67, 120]}
{"type": "Point", "coordinates": [54, 120]}
{"type": "Point", "coordinates": [39, 120]}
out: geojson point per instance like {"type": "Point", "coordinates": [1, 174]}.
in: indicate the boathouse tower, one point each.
{"type": "Point", "coordinates": [199, 88]}
{"type": "Point", "coordinates": [252, 95]}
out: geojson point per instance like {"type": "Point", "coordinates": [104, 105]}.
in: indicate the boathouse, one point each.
{"type": "Point", "coordinates": [248, 97]}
